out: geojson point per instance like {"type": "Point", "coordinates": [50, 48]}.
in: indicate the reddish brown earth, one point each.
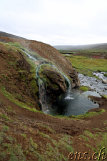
{"type": "Point", "coordinates": [48, 52]}
{"type": "Point", "coordinates": [25, 125]}
{"type": "Point", "coordinates": [15, 75]}
{"type": "Point", "coordinates": [37, 122]}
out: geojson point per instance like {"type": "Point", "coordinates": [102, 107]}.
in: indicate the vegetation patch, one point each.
{"type": "Point", "coordinates": [87, 66]}
{"type": "Point", "coordinates": [4, 116]}
{"type": "Point", "coordinates": [104, 96]}
{"type": "Point", "coordinates": [88, 114]}
{"type": "Point", "coordinates": [84, 88]}
{"type": "Point", "coordinates": [102, 147]}
{"type": "Point", "coordinates": [14, 100]}
{"type": "Point", "coordinates": [46, 127]}
{"type": "Point", "coordinates": [85, 138]}
{"type": "Point", "coordinates": [9, 149]}
{"type": "Point", "coordinates": [88, 133]}
{"type": "Point", "coordinates": [105, 74]}
{"type": "Point", "coordinates": [56, 151]}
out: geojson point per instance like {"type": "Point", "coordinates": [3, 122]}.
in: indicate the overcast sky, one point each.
{"type": "Point", "coordinates": [56, 22]}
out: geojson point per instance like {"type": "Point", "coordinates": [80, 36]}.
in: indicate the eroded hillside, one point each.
{"type": "Point", "coordinates": [48, 52]}
{"type": "Point", "coordinates": [26, 133]}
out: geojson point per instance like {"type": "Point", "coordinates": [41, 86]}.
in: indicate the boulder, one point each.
{"type": "Point", "coordinates": [54, 83]}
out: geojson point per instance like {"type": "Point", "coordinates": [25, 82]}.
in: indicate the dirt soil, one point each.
{"type": "Point", "coordinates": [34, 121]}
{"type": "Point", "coordinates": [48, 52]}
{"type": "Point", "coordinates": [38, 136]}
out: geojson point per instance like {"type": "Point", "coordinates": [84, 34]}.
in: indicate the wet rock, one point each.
{"type": "Point", "coordinates": [74, 77]}
{"type": "Point", "coordinates": [54, 82]}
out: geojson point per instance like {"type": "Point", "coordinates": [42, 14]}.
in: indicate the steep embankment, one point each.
{"type": "Point", "coordinates": [45, 51]}
{"type": "Point", "coordinates": [16, 76]}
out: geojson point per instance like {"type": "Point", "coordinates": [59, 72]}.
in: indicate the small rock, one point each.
{"type": "Point", "coordinates": [104, 81]}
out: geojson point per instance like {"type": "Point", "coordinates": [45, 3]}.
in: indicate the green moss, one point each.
{"type": "Point", "coordinates": [46, 127]}
{"type": "Point", "coordinates": [88, 133]}
{"type": "Point", "coordinates": [34, 87]}
{"type": "Point", "coordinates": [5, 128]}
{"type": "Point", "coordinates": [4, 116]}
{"type": "Point", "coordinates": [105, 122]}
{"type": "Point", "coordinates": [22, 75]}
{"type": "Point", "coordinates": [88, 114]}
{"type": "Point", "coordinates": [102, 146]}
{"type": "Point", "coordinates": [104, 96]}
{"type": "Point", "coordinates": [84, 138]}
{"type": "Point", "coordinates": [15, 44]}
{"type": "Point", "coordinates": [88, 145]}
{"type": "Point", "coordinates": [104, 141]}
{"type": "Point", "coordinates": [33, 145]}
{"type": "Point", "coordinates": [66, 142]}
{"type": "Point", "coordinates": [14, 152]}
{"type": "Point", "coordinates": [14, 100]}
{"type": "Point", "coordinates": [44, 135]}
{"type": "Point", "coordinates": [54, 151]}
{"type": "Point", "coordinates": [24, 135]}
{"type": "Point", "coordinates": [9, 147]}
{"type": "Point", "coordinates": [3, 76]}
{"type": "Point", "coordinates": [105, 74]}
{"type": "Point", "coordinates": [84, 88]}
{"type": "Point", "coordinates": [8, 47]}
{"type": "Point", "coordinates": [48, 81]}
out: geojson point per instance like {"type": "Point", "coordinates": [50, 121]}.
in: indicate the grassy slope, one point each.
{"type": "Point", "coordinates": [88, 61]}
{"type": "Point", "coordinates": [45, 51]}
{"type": "Point", "coordinates": [27, 134]}
{"type": "Point", "coordinates": [86, 65]}
{"type": "Point", "coordinates": [17, 76]}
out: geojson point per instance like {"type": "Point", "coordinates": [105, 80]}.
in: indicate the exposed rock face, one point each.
{"type": "Point", "coordinates": [55, 79]}
{"type": "Point", "coordinates": [74, 76]}
{"type": "Point", "coordinates": [54, 82]}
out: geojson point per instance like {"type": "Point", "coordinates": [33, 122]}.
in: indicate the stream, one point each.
{"type": "Point", "coordinates": [73, 102]}
{"type": "Point", "coordinates": [99, 86]}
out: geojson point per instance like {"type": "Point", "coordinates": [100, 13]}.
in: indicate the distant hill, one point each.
{"type": "Point", "coordinates": [102, 46]}
{"type": "Point", "coordinates": [4, 34]}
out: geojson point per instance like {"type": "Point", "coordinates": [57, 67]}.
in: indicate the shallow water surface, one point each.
{"type": "Point", "coordinates": [94, 83]}
{"type": "Point", "coordinates": [75, 103]}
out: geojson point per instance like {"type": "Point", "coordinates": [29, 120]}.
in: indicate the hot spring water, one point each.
{"type": "Point", "coordinates": [71, 103]}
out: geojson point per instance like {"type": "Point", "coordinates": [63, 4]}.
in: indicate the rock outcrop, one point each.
{"type": "Point", "coordinates": [54, 83]}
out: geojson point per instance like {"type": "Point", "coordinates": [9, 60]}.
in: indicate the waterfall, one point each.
{"type": "Point", "coordinates": [64, 76]}
{"type": "Point", "coordinates": [68, 93]}
{"type": "Point", "coordinates": [42, 96]}
{"type": "Point", "coordinates": [42, 91]}
{"type": "Point", "coordinates": [27, 53]}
